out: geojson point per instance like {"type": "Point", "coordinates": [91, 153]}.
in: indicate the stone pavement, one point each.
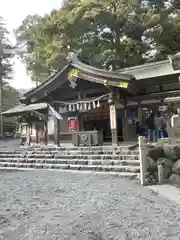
{"type": "Point", "coordinates": [168, 191]}
{"type": "Point", "coordinates": [45, 205]}
{"type": "Point", "coordinates": [11, 143]}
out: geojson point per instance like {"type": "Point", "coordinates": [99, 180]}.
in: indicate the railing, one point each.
{"type": "Point", "coordinates": [143, 159]}
{"type": "Point", "coordinates": [144, 164]}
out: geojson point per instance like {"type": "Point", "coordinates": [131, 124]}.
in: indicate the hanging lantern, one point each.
{"type": "Point", "coordinates": [98, 104]}
{"type": "Point", "coordinates": [94, 104]}
{"type": "Point", "coordinates": [89, 106]}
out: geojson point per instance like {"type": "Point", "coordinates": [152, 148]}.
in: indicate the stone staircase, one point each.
{"type": "Point", "coordinates": [123, 161]}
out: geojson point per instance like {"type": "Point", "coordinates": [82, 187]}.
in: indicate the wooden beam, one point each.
{"type": "Point", "coordinates": [156, 95]}
{"type": "Point", "coordinates": [71, 94]}
{"type": "Point", "coordinates": [37, 135]}
{"type": "Point", "coordinates": [140, 113]}
{"type": "Point", "coordinates": [125, 121]}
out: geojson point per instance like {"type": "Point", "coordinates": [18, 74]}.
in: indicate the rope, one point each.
{"type": "Point", "coordinates": [80, 102]}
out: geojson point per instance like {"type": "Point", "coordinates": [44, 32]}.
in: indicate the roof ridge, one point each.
{"type": "Point", "coordinates": [144, 65]}
{"type": "Point", "coordinates": [48, 81]}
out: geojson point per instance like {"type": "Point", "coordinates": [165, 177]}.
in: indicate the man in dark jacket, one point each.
{"type": "Point", "coordinates": [152, 136]}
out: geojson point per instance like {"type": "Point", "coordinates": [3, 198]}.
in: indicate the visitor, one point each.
{"type": "Point", "coordinates": [175, 115]}
{"type": "Point", "coordinates": [160, 125]}
{"type": "Point", "coordinates": [168, 124]}
{"type": "Point", "coordinates": [152, 136]}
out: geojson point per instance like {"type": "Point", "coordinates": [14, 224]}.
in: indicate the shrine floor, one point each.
{"type": "Point", "coordinates": [57, 205]}
{"type": "Point", "coordinates": [70, 145]}
{"type": "Point", "coordinates": [15, 144]}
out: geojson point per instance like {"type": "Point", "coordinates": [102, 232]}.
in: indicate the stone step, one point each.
{"type": "Point", "coordinates": [95, 153]}
{"type": "Point", "coordinates": [94, 148]}
{"type": "Point", "coordinates": [73, 153]}
{"type": "Point", "coordinates": [62, 156]}
{"type": "Point", "coordinates": [127, 175]}
{"type": "Point", "coordinates": [122, 149]}
{"type": "Point", "coordinates": [101, 157]}
{"type": "Point", "coordinates": [106, 168]}
{"type": "Point", "coordinates": [76, 162]}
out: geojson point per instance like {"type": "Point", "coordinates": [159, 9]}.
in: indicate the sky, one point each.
{"type": "Point", "coordinates": [14, 13]}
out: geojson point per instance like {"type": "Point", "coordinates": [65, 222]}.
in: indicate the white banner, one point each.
{"type": "Point", "coordinates": [113, 116]}
{"type": "Point", "coordinates": [51, 125]}
{"type": "Point", "coordinates": [55, 113]}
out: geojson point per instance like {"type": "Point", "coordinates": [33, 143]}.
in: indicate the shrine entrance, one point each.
{"type": "Point", "coordinates": [102, 123]}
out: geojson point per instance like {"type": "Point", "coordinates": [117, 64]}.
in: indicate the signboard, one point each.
{"type": "Point", "coordinates": [51, 125]}
{"type": "Point", "coordinates": [105, 81]}
{"type": "Point", "coordinates": [113, 116]}
{"type": "Point", "coordinates": [163, 108]}
{"type": "Point", "coordinates": [123, 85]}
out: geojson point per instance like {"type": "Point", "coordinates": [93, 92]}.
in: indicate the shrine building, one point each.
{"type": "Point", "coordinates": [86, 105]}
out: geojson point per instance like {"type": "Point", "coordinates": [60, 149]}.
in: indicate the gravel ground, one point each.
{"type": "Point", "coordinates": [45, 205]}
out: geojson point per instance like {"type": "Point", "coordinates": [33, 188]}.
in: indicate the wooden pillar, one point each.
{"type": "Point", "coordinates": [140, 113]}
{"type": "Point", "coordinates": [78, 121]}
{"type": "Point", "coordinates": [113, 123]}
{"type": "Point", "coordinates": [28, 134]}
{"type": "Point", "coordinates": [45, 133]}
{"type": "Point", "coordinates": [46, 128]}
{"type": "Point", "coordinates": [37, 137]}
{"type": "Point", "coordinates": [56, 129]}
{"type": "Point", "coordinates": [125, 122]}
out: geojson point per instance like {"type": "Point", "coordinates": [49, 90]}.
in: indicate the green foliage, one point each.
{"type": "Point", "coordinates": [108, 34]}
{"type": "Point", "coordinates": [10, 96]}
{"type": "Point", "coordinates": [5, 52]}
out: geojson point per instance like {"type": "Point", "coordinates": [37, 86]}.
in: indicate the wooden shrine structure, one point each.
{"type": "Point", "coordinates": [82, 92]}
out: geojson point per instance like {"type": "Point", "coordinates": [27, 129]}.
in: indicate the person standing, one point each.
{"type": "Point", "coordinates": [175, 115]}
{"type": "Point", "coordinates": [160, 125]}
{"type": "Point", "coordinates": [150, 122]}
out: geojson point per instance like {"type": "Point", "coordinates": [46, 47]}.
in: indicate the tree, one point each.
{"type": "Point", "coordinates": [163, 36]}
{"type": "Point", "coordinates": [6, 53]}
{"type": "Point", "coordinates": [10, 99]}
{"type": "Point", "coordinates": [107, 34]}
{"type": "Point", "coordinates": [5, 68]}
{"type": "Point", "coordinates": [11, 96]}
